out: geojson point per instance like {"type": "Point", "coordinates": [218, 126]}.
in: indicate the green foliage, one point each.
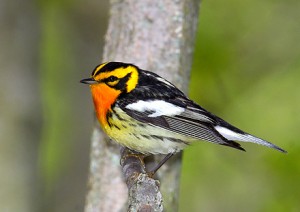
{"type": "Point", "coordinates": [55, 60]}
{"type": "Point", "coordinates": [70, 45]}
{"type": "Point", "coordinates": [246, 70]}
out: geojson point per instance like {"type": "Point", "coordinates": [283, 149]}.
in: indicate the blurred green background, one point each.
{"type": "Point", "coordinates": [246, 69]}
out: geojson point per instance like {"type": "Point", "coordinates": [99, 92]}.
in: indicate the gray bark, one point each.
{"type": "Point", "coordinates": [107, 190]}
{"type": "Point", "coordinates": [143, 191]}
{"type": "Point", "coordinates": [156, 36]}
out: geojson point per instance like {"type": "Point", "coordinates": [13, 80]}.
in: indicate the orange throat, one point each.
{"type": "Point", "coordinates": [104, 97]}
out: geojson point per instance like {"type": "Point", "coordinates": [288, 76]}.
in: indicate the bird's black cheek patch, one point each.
{"type": "Point", "coordinates": [122, 84]}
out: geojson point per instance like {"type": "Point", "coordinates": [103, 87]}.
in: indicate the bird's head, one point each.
{"type": "Point", "coordinates": [119, 76]}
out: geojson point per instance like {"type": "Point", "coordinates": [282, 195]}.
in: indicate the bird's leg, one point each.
{"type": "Point", "coordinates": [162, 162]}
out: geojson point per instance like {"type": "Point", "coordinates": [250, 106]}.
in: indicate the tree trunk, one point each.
{"type": "Point", "coordinates": [157, 36]}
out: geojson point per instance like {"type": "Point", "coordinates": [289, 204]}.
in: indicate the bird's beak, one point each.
{"type": "Point", "coordinates": [89, 81]}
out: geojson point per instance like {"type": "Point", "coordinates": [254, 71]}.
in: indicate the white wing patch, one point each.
{"type": "Point", "coordinates": [164, 81]}
{"type": "Point", "coordinates": [230, 135]}
{"type": "Point", "coordinates": [156, 107]}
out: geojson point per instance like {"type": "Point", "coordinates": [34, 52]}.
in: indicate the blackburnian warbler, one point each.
{"type": "Point", "coordinates": [146, 113]}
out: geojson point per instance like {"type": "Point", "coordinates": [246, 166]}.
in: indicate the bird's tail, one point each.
{"type": "Point", "coordinates": [245, 137]}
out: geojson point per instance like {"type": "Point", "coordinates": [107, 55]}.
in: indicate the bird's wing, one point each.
{"type": "Point", "coordinates": [158, 102]}
{"type": "Point", "coordinates": [177, 116]}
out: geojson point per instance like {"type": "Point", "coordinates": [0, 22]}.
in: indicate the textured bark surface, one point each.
{"type": "Point", "coordinates": [107, 189]}
{"type": "Point", "coordinates": [143, 191]}
{"type": "Point", "coordinates": [156, 36]}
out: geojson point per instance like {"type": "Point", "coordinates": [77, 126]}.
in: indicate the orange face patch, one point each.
{"type": "Point", "coordinates": [103, 97]}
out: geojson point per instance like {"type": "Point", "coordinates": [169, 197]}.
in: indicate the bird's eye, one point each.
{"type": "Point", "coordinates": [112, 79]}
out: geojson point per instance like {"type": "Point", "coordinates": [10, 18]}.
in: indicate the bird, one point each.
{"type": "Point", "coordinates": [146, 113]}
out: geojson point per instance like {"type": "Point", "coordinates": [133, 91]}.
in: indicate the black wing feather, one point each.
{"type": "Point", "coordinates": [195, 122]}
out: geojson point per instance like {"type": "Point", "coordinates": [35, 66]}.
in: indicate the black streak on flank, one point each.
{"type": "Point", "coordinates": [108, 117]}
{"type": "Point", "coordinates": [116, 127]}
{"type": "Point", "coordinates": [177, 140]}
{"type": "Point", "coordinates": [118, 116]}
{"type": "Point", "coordinates": [146, 136]}
{"type": "Point", "coordinates": [141, 125]}
{"type": "Point", "coordinates": [157, 137]}
{"type": "Point", "coordinates": [161, 138]}
{"type": "Point", "coordinates": [136, 136]}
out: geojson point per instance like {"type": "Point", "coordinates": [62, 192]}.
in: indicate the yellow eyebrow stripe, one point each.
{"type": "Point", "coordinates": [98, 69]}
{"type": "Point", "coordinates": [120, 73]}
{"type": "Point", "coordinates": [134, 78]}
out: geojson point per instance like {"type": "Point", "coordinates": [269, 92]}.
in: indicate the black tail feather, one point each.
{"type": "Point", "coordinates": [233, 144]}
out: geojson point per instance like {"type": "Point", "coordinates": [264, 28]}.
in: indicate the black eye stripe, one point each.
{"type": "Point", "coordinates": [121, 85]}
{"type": "Point", "coordinates": [111, 79]}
